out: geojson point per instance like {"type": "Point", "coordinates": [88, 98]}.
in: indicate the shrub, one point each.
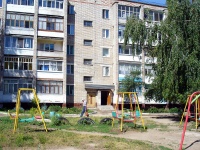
{"type": "Point", "coordinates": [174, 110]}
{"type": "Point", "coordinates": [55, 108]}
{"type": "Point", "coordinates": [55, 121]}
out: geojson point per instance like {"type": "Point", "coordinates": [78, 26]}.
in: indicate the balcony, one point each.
{"type": "Point", "coordinates": [18, 73]}
{"type": "Point", "coordinates": [18, 51]}
{"type": "Point", "coordinates": [20, 8]}
{"type": "Point", "coordinates": [19, 31]}
{"type": "Point", "coordinates": [50, 53]}
{"type": "Point", "coordinates": [51, 34]}
{"type": "Point", "coordinates": [52, 11]}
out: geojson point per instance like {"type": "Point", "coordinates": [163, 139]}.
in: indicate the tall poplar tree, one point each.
{"type": "Point", "coordinates": [178, 52]}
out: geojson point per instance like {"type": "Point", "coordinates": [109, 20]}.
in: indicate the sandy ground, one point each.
{"type": "Point", "coordinates": [169, 137]}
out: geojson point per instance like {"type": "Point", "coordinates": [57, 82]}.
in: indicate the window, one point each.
{"type": "Point", "coordinates": [0, 3]}
{"type": "Point", "coordinates": [121, 31]}
{"type": "Point", "coordinates": [87, 23]}
{"type": "Point", "coordinates": [17, 63]}
{"type": "Point", "coordinates": [71, 10]}
{"type": "Point", "coordinates": [11, 85]}
{"type": "Point", "coordinates": [47, 47]}
{"type": "Point", "coordinates": [16, 20]}
{"type": "Point", "coordinates": [152, 15]}
{"type": "Point", "coordinates": [106, 52]}
{"type": "Point", "coordinates": [87, 42]}
{"type": "Point", "coordinates": [70, 49]}
{"type": "Point", "coordinates": [105, 14]}
{"type": "Point", "coordinates": [127, 68]}
{"type": "Point", "coordinates": [18, 42]}
{"type": "Point", "coordinates": [70, 90]}
{"type": "Point", "coordinates": [21, 2]}
{"type": "Point", "coordinates": [51, 3]}
{"type": "Point", "coordinates": [48, 65]}
{"type": "Point", "coordinates": [106, 71]}
{"type": "Point", "coordinates": [87, 78]}
{"type": "Point", "coordinates": [50, 87]}
{"type": "Point", "coordinates": [70, 69]}
{"type": "Point", "coordinates": [127, 11]}
{"type": "Point", "coordinates": [52, 24]}
{"type": "Point", "coordinates": [105, 33]}
{"type": "Point", "coordinates": [126, 51]}
{"type": "Point", "coordinates": [87, 61]}
{"type": "Point", "coordinates": [70, 29]}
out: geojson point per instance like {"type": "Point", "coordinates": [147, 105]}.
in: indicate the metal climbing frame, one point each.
{"type": "Point", "coordinates": [133, 116]}
{"type": "Point", "coordinates": [18, 107]}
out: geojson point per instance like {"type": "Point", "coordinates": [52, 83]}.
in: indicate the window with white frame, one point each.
{"type": "Point", "coordinates": [51, 24]}
{"type": "Point", "coordinates": [87, 42]}
{"type": "Point", "coordinates": [70, 90]}
{"type": "Point", "coordinates": [19, 20]}
{"type": "Point", "coordinates": [87, 23]}
{"type": "Point", "coordinates": [18, 42]}
{"type": "Point", "coordinates": [106, 71]}
{"type": "Point", "coordinates": [11, 85]}
{"type": "Point", "coordinates": [70, 69]}
{"type": "Point", "coordinates": [21, 2]}
{"type": "Point", "coordinates": [106, 52]}
{"type": "Point", "coordinates": [51, 3]}
{"type": "Point", "coordinates": [50, 87]}
{"type": "Point", "coordinates": [121, 31]}
{"type": "Point", "coordinates": [153, 15]}
{"type": "Point", "coordinates": [48, 65]}
{"type": "Point", "coordinates": [105, 13]}
{"type": "Point", "coordinates": [70, 29]}
{"type": "Point", "coordinates": [126, 68]}
{"type": "Point", "coordinates": [87, 61]}
{"type": "Point", "coordinates": [106, 33]}
{"type": "Point", "coordinates": [87, 78]}
{"type": "Point", "coordinates": [70, 49]}
{"type": "Point", "coordinates": [127, 11]}
{"type": "Point", "coordinates": [71, 9]}
{"type": "Point", "coordinates": [126, 51]}
{"type": "Point", "coordinates": [18, 63]}
{"type": "Point", "coordinates": [46, 47]}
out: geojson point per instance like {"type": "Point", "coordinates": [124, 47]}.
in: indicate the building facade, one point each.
{"type": "Point", "coordinates": [68, 50]}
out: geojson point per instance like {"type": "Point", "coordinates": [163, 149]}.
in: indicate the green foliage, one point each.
{"type": "Point", "coordinates": [178, 52]}
{"type": "Point", "coordinates": [72, 110]}
{"type": "Point", "coordinates": [54, 108]}
{"type": "Point", "coordinates": [55, 121]}
{"type": "Point", "coordinates": [129, 83]}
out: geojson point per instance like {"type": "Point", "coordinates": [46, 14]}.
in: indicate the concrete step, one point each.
{"type": "Point", "coordinates": [105, 108]}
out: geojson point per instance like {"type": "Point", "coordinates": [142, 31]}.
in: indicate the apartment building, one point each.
{"type": "Point", "coordinates": [68, 50]}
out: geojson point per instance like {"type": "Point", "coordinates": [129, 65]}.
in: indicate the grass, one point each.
{"type": "Point", "coordinates": [32, 135]}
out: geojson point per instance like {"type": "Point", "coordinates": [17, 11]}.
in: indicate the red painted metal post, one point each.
{"type": "Point", "coordinates": [186, 119]}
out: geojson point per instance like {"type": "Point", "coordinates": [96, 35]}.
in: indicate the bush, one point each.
{"type": "Point", "coordinates": [54, 108]}
{"type": "Point", "coordinates": [174, 110]}
{"type": "Point", "coordinates": [72, 110]}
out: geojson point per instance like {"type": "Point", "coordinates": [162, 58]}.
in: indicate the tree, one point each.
{"type": "Point", "coordinates": [131, 82]}
{"type": "Point", "coordinates": [177, 68]}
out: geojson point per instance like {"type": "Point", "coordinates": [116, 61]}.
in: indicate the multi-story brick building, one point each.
{"type": "Point", "coordinates": [68, 50]}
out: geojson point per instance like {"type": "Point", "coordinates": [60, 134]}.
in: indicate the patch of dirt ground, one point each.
{"type": "Point", "coordinates": [169, 135]}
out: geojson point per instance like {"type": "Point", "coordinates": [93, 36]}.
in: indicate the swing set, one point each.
{"type": "Point", "coordinates": [133, 113]}
{"type": "Point", "coordinates": [194, 98]}
{"type": "Point", "coordinates": [16, 116]}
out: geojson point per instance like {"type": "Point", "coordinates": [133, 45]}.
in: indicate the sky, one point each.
{"type": "Point", "coordinates": [154, 2]}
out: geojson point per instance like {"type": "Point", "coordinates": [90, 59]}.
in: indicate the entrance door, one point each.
{"type": "Point", "coordinates": [91, 100]}
{"type": "Point", "coordinates": [106, 97]}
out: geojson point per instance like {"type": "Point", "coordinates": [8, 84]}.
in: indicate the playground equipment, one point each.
{"type": "Point", "coordinates": [194, 113]}
{"type": "Point", "coordinates": [132, 115]}
{"type": "Point", "coordinates": [195, 97]}
{"type": "Point", "coordinates": [16, 117]}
